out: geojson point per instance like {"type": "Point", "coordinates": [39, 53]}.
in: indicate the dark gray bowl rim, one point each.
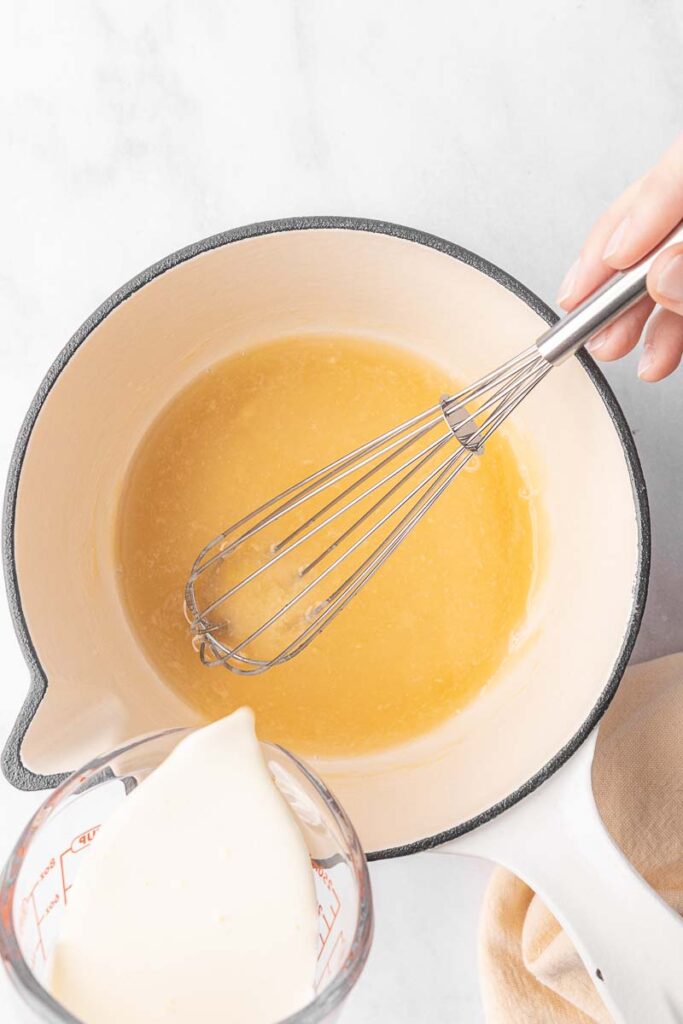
{"type": "Point", "coordinates": [12, 765]}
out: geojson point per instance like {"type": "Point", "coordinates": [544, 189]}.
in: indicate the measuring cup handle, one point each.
{"type": "Point", "coordinates": [630, 940]}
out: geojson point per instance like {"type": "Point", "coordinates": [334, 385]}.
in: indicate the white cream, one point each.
{"type": "Point", "coordinates": [197, 900]}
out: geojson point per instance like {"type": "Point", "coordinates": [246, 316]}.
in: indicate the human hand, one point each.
{"type": "Point", "coordinates": [639, 219]}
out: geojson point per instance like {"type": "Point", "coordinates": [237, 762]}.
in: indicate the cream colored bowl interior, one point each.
{"type": "Point", "coordinates": [101, 688]}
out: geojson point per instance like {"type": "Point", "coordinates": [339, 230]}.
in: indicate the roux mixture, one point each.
{"type": "Point", "coordinates": [426, 634]}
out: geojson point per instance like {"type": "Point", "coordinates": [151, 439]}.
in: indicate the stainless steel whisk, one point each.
{"type": "Point", "coordinates": [375, 495]}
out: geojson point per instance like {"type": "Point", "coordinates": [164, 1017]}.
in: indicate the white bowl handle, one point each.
{"type": "Point", "coordinates": [629, 939]}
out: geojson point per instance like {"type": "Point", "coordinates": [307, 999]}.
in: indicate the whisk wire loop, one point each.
{"type": "Point", "coordinates": [386, 486]}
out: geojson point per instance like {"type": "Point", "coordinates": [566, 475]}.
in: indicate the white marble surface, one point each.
{"type": "Point", "coordinates": [131, 129]}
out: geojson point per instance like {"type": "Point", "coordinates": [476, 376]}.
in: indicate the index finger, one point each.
{"type": "Point", "coordinates": [657, 209]}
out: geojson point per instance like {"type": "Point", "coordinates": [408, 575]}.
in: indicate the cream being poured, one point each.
{"type": "Point", "coordinates": [197, 902]}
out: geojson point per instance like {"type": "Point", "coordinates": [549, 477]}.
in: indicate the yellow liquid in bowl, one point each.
{"type": "Point", "coordinates": [429, 630]}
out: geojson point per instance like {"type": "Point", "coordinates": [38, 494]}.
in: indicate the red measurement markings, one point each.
{"type": "Point", "coordinates": [336, 958]}
{"type": "Point", "coordinates": [40, 907]}
{"type": "Point", "coordinates": [332, 940]}
{"type": "Point", "coordinates": [49, 891]}
{"type": "Point", "coordinates": [80, 842]}
{"type": "Point", "coordinates": [327, 915]}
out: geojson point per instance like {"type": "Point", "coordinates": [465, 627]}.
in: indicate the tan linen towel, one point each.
{"type": "Point", "coordinates": [530, 972]}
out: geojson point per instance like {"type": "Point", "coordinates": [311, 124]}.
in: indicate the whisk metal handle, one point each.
{"type": "Point", "coordinates": [617, 295]}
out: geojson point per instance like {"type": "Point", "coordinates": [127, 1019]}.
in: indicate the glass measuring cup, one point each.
{"type": "Point", "coordinates": [47, 857]}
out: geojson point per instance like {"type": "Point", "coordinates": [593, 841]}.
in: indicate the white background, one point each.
{"type": "Point", "coordinates": [130, 129]}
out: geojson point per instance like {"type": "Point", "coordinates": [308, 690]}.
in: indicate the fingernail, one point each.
{"type": "Point", "coordinates": [596, 344]}
{"type": "Point", "coordinates": [669, 282]}
{"type": "Point", "coordinates": [569, 283]}
{"type": "Point", "coordinates": [616, 238]}
{"type": "Point", "coordinates": [600, 340]}
{"type": "Point", "coordinates": [646, 360]}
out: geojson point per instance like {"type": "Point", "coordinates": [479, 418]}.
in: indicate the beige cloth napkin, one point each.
{"type": "Point", "coordinates": [530, 973]}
